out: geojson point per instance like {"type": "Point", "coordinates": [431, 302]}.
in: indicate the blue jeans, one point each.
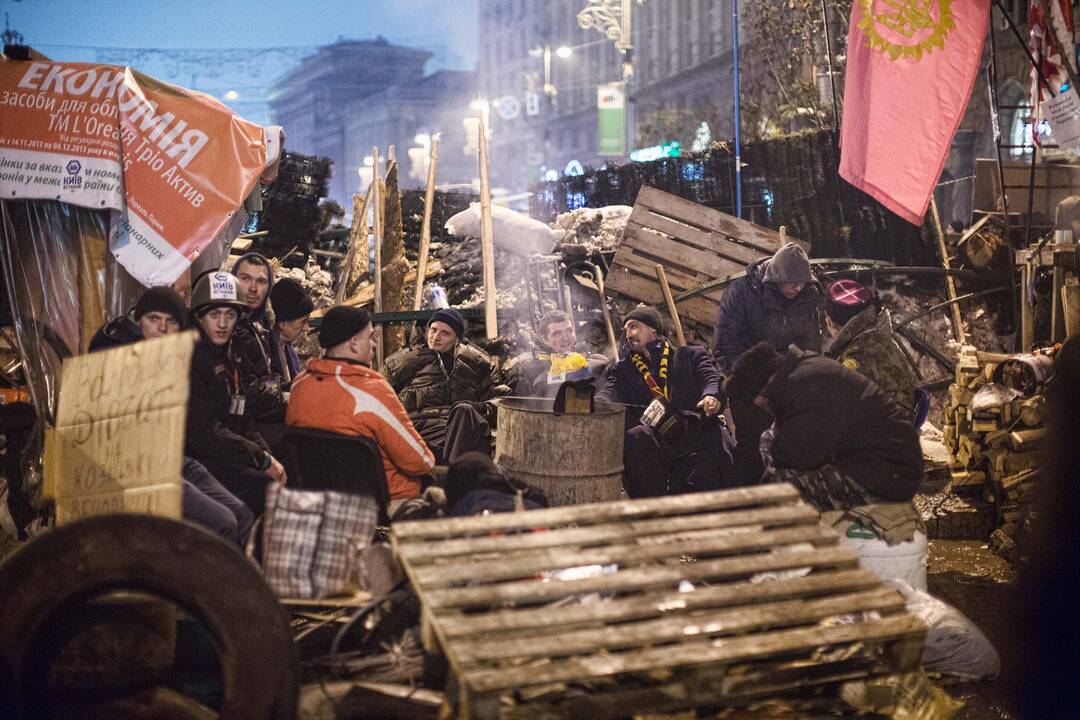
{"type": "Point", "coordinates": [207, 503]}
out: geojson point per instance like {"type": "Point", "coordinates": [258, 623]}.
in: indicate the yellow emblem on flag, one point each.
{"type": "Point", "coordinates": [850, 363]}
{"type": "Point", "coordinates": [906, 29]}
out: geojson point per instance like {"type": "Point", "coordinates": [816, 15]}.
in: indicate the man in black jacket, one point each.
{"type": "Point", "coordinates": [675, 441]}
{"type": "Point", "coordinates": [445, 386]}
{"type": "Point", "coordinates": [219, 427]}
{"type": "Point", "coordinates": [775, 302]}
{"type": "Point", "coordinates": [836, 436]}
{"type": "Point", "coordinates": [541, 372]}
{"type": "Point", "coordinates": [161, 311]}
{"type": "Point", "coordinates": [252, 343]}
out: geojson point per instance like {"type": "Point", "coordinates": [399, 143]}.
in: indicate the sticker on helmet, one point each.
{"type": "Point", "coordinates": [222, 287]}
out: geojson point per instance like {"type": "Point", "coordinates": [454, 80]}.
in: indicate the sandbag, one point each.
{"type": "Point", "coordinates": [954, 645]}
{"type": "Point", "coordinates": [511, 231]}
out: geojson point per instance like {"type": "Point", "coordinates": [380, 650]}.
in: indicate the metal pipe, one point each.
{"type": "Point", "coordinates": [738, 137]}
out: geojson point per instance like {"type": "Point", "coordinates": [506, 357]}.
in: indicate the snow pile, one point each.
{"type": "Point", "coordinates": [599, 228]}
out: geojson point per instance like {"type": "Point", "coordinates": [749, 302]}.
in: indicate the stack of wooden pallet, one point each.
{"type": "Point", "coordinates": [999, 448]}
{"type": "Point", "coordinates": [697, 246]}
{"type": "Point", "coordinates": [609, 610]}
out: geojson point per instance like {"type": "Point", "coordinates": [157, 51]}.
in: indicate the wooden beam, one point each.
{"type": "Point", "coordinates": [950, 284]}
{"type": "Point", "coordinates": [358, 233]}
{"type": "Point", "coordinates": [487, 240]}
{"type": "Point", "coordinates": [377, 199]}
{"type": "Point", "coordinates": [425, 227]}
{"type": "Point", "coordinates": [672, 310]}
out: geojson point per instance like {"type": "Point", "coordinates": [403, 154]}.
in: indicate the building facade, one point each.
{"type": "Point", "coordinates": [356, 94]}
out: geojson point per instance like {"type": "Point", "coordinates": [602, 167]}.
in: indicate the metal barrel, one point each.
{"type": "Point", "coordinates": [572, 458]}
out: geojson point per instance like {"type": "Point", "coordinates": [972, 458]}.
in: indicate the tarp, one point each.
{"type": "Point", "coordinates": [174, 165]}
{"type": "Point", "coordinates": [908, 80]}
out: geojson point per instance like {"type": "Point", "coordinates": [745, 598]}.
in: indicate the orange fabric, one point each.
{"type": "Point", "coordinates": [352, 399]}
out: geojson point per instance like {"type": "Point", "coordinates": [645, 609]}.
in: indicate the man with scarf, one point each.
{"type": "Point", "coordinates": [541, 372]}
{"type": "Point", "coordinates": [675, 441]}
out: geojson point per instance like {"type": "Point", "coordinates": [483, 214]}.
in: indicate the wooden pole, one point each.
{"type": "Point", "coordinates": [487, 240]}
{"type": "Point", "coordinates": [599, 278]}
{"type": "Point", "coordinates": [662, 277]}
{"type": "Point", "coordinates": [950, 284]}
{"type": "Point", "coordinates": [377, 200]}
{"type": "Point", "coordinates": [358, 233]}
{"type": "Point", "coordinates": [425, 227]}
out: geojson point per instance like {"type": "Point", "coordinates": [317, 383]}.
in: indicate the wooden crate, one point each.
{"type": "Point", "coordinates": [674, 621]}
{"type": "Point", "coordinates": [695, 244]}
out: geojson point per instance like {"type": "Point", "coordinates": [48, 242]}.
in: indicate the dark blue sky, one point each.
{"type": "Point", "coordinates": [108, 30]}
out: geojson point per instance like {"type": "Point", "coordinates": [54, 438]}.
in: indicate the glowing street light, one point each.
{"type": "Point", "coordinates": [231, 95]}
{"type": "Point", "coordinates": [564, 52]}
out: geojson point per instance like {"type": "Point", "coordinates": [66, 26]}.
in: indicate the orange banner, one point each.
{"type": "Point", "coordinates": [175, 165]}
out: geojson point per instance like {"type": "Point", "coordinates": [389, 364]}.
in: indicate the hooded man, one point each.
{"type": "Point", "coordinates": [775, 302]}
{"type": "Point", "coordinates": [219, 426]}
{"type": "Point", "coordinates": [675, 441]}
{"type": "Point", "coordinates": [342, 394]}
{"type": "Point", "coordinates": [835, 436]}
{"type": "Point", "coordinates": [541, 372]}
{"type": "Point", "coordinates": [292, 309]}
{"type": "Point", "coordinates": [863, 340]}
{"type": "Point", "coordinates": [252, 343]}
{"type": "Point", "coordinates": [445, 385]}
{"type": "Point", "coordinates": [161, 311]}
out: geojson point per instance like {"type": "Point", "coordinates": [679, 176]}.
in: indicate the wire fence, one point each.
{"type": "Point", "coordinates": [791, 181]}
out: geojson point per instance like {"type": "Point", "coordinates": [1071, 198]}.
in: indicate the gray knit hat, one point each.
{"type": "Point", "coordinates": [788, 265]}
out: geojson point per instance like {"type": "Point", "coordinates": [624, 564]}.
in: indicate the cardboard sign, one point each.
{"type": "Point", "coordinates": [119, 437]}
{"type": "Point", "coordinates": [174, 165]}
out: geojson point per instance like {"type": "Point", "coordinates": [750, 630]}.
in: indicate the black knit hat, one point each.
{"type": "Point", "coordinates": [340, 324]}
{"type": "Point", "coordinates": [646, 316]}
{"type": "Point", "coordinates": [164, 300]}
{"type": "Point", "coordinates": [451, 317]}
{"type": "Point", "coordinates": [290, 300]}
{"type": "Point", "coordinates": [752, 371]}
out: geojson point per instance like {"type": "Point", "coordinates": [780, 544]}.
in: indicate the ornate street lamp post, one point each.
{"type": "Point", "coordinates": [614, 20]}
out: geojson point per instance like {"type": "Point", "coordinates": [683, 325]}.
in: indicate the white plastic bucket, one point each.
{"type": "Point", "coordinates": [906, 561]}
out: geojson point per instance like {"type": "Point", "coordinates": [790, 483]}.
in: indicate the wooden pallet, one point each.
{"type": "Point", "coordinates": [674, 622]}
{"type": "Point", "coordinates": [695, 244]}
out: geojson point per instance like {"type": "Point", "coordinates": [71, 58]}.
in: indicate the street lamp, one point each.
{"type": "Point", "coordinates": [614, 20]}
{"type": "Point", "coordinates": [544, 51]}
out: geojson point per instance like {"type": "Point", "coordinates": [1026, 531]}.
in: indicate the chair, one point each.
{"type": "Point", "coordinates": [323, 460]}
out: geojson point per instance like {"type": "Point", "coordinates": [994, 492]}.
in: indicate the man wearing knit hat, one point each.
{"type": "Point", "coordinates": [863, 340]}
{"type": "Point", "coordinates": [775, 302]}
{"type": "Point", "coordinates": [835, 436]}
{"type": "Point", "coordinates": [446, 385]}
{"type": "Point", "coordinates": [292, 308]}
{"type": "Point", "coordinates": [342, 394]}
{"type": "Point", "coordinates": [675, 440]}
{"type": "Point", "coordinates": [159, 311]}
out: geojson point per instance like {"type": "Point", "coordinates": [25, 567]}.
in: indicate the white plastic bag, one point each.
{"type": "Point", "coordinates": [954, 645]}
{"type": "Point", "coordinates": [511, 231]}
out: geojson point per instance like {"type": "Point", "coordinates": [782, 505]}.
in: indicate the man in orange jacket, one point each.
{"type": "Point", "coordinates": [342, 394]}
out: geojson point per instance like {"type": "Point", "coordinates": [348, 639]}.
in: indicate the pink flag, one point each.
{"type": "Point", "coordinates": [910, 70]}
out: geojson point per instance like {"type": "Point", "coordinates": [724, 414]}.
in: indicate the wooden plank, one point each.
{"type": "Point", "coordinates": [626, 283]}
{"type": "Point", "coordinates": [677, 255]}
{"type": "Point", "coordinates": [723, 255]}
{"type": "Point", "coordinates": [771, 494]}
{"type": "Point", "coordinates": [747, 648]}
{"type": "Point", "coordinates": [698, 543]}
{"type": "Point", "coordinates": [763, 238]}
{"type": "Point", "coordinates": [658, 604]}
{"type": "Point", "coordinates": [714, 623]}
{"type": "Point", "coordinates": [638, 579]}
{"type": "Point", "coordinates": [645, 264]}
{"type": "Point", "coordinates": [420, 554]}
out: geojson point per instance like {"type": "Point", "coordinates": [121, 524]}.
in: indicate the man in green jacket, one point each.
{"type": "Point", "coordinates": [863, 340]}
